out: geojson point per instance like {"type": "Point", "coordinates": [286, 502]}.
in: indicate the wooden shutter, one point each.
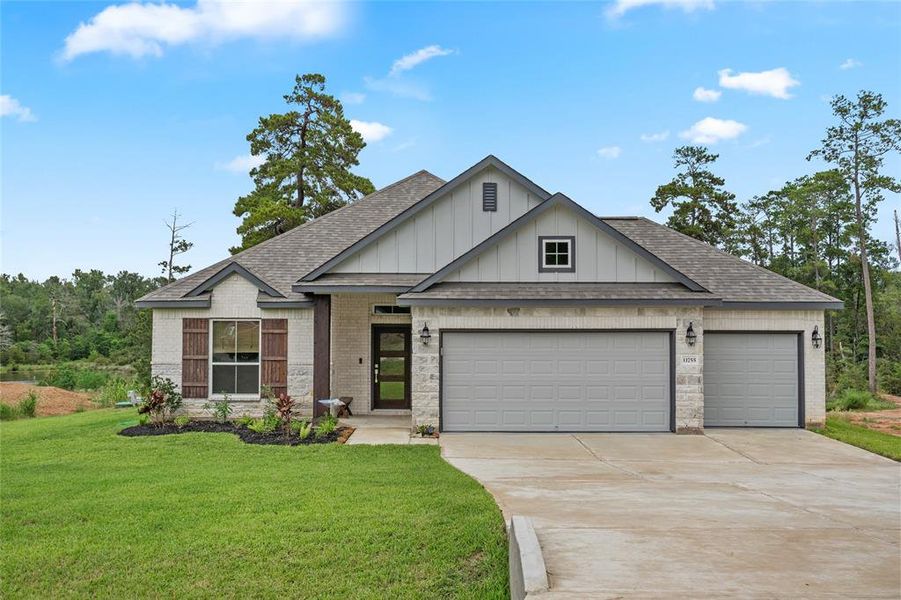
{"type": "Point", "coordinates": [274, 355]}
{"type": "Point", "coordinates": [195, 357]}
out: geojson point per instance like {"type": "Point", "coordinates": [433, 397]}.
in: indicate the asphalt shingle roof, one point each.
{"type": "Point", "coordinates": [576, 292]}
{"type": "Point", "coordinates": [284, 259]}
{"type": "Point", "coordinates": [725, 275]}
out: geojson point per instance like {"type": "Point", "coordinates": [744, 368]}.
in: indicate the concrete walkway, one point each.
{"type": "Point", "coordinates": [383, 429]}
{"type": "Point", "coordinates": [734, 513]}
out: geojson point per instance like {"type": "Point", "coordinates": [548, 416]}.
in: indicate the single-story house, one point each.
{"type": "Point", "coordinates": [486, 303]}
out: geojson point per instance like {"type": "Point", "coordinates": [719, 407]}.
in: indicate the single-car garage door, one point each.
{"type": "Point", "coordinates": [751, 380]}
{"type": "Point", "coordinates": [555, 381]}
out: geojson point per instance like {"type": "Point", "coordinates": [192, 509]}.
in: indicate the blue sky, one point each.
{"type": "Point", "coordinates": [110, 126]}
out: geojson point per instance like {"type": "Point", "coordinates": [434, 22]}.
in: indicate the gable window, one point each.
{"type": "Point", "coordinates": [489, 197]}
{"type": "Point", "coordinates": [556, 254]}
{"type": "Point", "coordinates": [235, 360]}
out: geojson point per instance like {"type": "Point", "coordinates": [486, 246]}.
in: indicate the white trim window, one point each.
{"type": "Point", "coordinates": [557, 254]}
{"type": "Point", "coordinates": [235, 358]}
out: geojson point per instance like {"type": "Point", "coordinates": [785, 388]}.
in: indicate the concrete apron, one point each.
{"type": "Point", "coordinates": [383, 429]}
{"type": "Point", "coordinates": [733, 513]}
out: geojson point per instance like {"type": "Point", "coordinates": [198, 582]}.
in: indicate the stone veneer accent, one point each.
{"type": "Point", "coordinates": [351, 356]}
{"type": "Point", "coordinates": [235, 297]}
{"type": "Point", "coordinates": [689, 416]}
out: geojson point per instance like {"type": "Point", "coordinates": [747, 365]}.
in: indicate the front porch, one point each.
{"type": "Point", "coordinates": [377, 429]}
{"type": "Point", "coordinates": [362, 346]}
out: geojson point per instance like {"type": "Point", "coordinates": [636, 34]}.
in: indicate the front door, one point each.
{"type": "Point", "coordinates": [391, 366]}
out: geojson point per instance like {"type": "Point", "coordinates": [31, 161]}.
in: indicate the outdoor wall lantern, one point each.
{"type": "Point", "coordinates": [424, 335]}
{"type": "Point", "coordinates": [690, 335]}
{"type": "Point", "coordinates": [815, 337]}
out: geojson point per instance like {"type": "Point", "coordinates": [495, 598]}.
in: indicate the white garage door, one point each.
{"type": "Point", "coordinates": [751, 380]}
{"type": "Point", "coordinates": [555, 381]}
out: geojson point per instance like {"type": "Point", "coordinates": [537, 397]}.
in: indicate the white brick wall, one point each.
{"type": "Point", "coordinates": [689, 360]}
{"type": "Point", "coordinates": [351, 355]}
{"type": "Point", "coordinates": [235, 297]}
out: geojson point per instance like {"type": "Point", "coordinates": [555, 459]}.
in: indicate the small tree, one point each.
{"type": "Point", "coordinates": [701, 207]}
{"type": "Point", "coordinates": [177, 245]}
{"type": "Point", "coordinates": [308, 154]}
{"type": "Point", "coordinates": [857, 146]}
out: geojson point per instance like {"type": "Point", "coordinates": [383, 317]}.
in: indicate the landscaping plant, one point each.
{"type": "Point", "coordinates": [28, 404]}
{"type": "Point", "coordinates": [182, 420]}
{"type": "Point", "coordinates": [220, 410]}
{"type": "Point", "coordinates": [284, 405]}
{"type": "Point", "coordinates": [426, 430]}
{"type": "Point", "coordinates": [327, 425]}
{"type": "Point", "coordinates": [162, 401]}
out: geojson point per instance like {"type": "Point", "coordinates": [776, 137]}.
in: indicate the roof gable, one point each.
{"type": "Point", "coordinates": [554, 202]}
{"type": "Point", "coordinates": [405, 217]}
{"type": "Point", "coordinates": [233, 268]}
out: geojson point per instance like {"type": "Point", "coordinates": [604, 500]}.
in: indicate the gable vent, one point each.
{"type": "Point", "coordinates": [489, 197]}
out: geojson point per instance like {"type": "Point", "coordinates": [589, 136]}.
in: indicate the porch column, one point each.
{"type": "Point", "coordinates": [322, 317]}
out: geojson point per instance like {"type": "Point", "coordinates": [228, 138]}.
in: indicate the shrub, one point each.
{"type": "Point", "coordinates": [28, 405]}
{"type": "Point", "coordinates": [244, 420]}
{"type": "Point", "coordinates": [64, 377]}
{"type": "Point", "coordinates": [327, 425]}
{"type": "Point", "coordinates": [425, 430]}
{"type": "Point", "coordinates": [182, 420]}
{"type": "Point", "coordinates": [8, 413]}
{"type": "Point", "coordinates": [220, 410]}
{"type": "Point", "coordinates": [297, 426]}
{"type": "Point", "coordinates": [162, 401]}
{"type": "Point", "coordinates": [86, 379]}
{"type": "Point", "coordinates": [888, 372]}
{"type": "Point", "coordinates": [143, 419]}
{"type": "Point", "coordinates": [114, 390]}
{"type": "Point", "coordinates": [857, 400]}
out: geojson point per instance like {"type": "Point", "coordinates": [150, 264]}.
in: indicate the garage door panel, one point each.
{"type": "Point", "coordinates": [555, 381]}
{"type": "Point", "coordinates": [751, 379]}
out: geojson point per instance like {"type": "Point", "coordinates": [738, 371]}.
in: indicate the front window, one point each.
{"type": "Point", "coordinates": [236, 357]}
{"type": "Point", "coordinates": [556, 254]}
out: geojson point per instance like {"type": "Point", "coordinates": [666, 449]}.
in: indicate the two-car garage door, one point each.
{"type": "Point", "coordinates": [556, 381]}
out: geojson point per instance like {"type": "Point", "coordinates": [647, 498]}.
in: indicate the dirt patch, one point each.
{"type": "Point", "coordinates": [886, 421]}
{"type": "Point", "coordinates": [51, 400]}
{"type": "Point", "coordinates": [247, 436]}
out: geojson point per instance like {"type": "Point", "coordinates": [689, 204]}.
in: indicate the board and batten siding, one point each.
{"type": "Point", "coordinates": [599, 258]}
{"type": "Point", "coordinates": [452, 226]}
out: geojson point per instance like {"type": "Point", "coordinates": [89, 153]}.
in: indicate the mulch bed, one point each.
{"type": "Point", "coordinates": [247, 436]}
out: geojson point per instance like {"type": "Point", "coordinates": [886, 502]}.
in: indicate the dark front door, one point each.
{"type": "Point", "coordinates": [390, 366]}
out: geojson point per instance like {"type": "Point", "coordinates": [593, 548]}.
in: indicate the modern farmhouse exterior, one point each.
{"type": "Point", "coordinates": [485, 303]}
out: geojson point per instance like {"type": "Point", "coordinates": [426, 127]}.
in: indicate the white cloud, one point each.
{"type": "Point", "coordinates": [371, 130]}
{"type": "Point", "coordinates": [242, 163]}
{"type": "Point", "coordinates": [139, 29]}
{"type": "Point", "coordinates": [704, 95]}
{"type": "Point", "coordinates": [775, 82]}
{"type": "Point", "coordinates": [711, 130]}
{"type": "Point", "coordinates": [621, 7]}
{"type": "Point", "coordinates": [353, 98]}
{"type": "Point", "coordinates": [850, 63]}
{"type": "Point", "coordinates": [10, 107]}
{"type": "Point", "coordinates": [660, 136]}
{"type": "Point", "coordinates": [610, 152]}
{"type": "Point", "coordinates": [408, 61]}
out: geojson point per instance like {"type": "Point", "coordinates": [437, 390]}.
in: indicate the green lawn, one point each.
{"type": "Point", "coordinates": [874, 441]}
{"type": "Point", "coordinates": [88, 513]}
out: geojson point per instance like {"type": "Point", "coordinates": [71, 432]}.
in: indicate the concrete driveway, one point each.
{"type": "Point", "coordinates": [734, 513]}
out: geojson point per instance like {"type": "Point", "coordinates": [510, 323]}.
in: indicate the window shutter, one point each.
{"type": "Point", "coordinates": [195, 357]}
{"type": "Point", "coordinates": [489, 197]}
{"type": "Point", "coordinates": [274, 355]}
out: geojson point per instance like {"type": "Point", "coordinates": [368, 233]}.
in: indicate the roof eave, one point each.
{"type": "Point", "coordinates": [785, 305]}
{"type": "Point", "coordinates": [177, 303]}
{"type": "Point", "coordinates": [341, 289]}
{"type": "Point", "coordinates": [411, 300]}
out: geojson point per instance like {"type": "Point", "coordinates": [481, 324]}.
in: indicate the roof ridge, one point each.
{"type": "Point", "coordinates": [736, 258]}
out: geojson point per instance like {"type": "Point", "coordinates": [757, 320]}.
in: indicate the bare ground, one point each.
{"type": "Point", "coordinates": [51, 400]}
{"type": "Point", "coordinates": [886, 421]}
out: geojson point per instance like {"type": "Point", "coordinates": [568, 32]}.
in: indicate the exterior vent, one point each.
{"type": "Point", "coordinates": [489, 197]}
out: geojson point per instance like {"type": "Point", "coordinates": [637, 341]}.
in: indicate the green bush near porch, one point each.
{"type": "Point", "coordinates": [89, 513]}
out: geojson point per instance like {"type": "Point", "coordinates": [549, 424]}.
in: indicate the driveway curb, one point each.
{"type": "Point", "coordinates": [528, 574]}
